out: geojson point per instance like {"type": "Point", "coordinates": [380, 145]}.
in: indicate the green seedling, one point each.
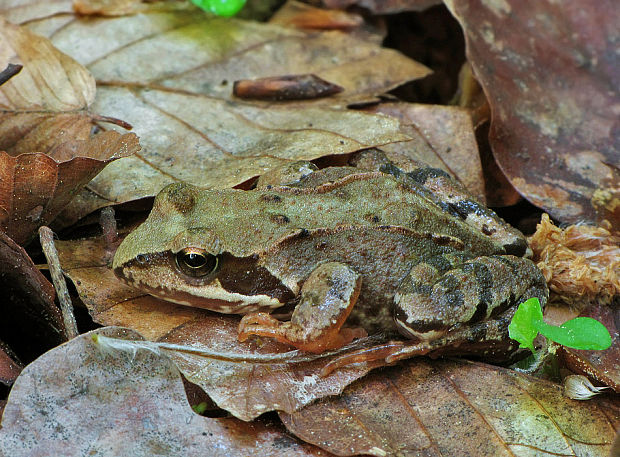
{"type": "Point", "coordinates": [225, 8]}
{"type": "Point", "coordinates": [578, 333]}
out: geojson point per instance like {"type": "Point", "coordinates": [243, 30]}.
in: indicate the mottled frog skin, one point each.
{"type": "Point", "coordinates": [370, 247]}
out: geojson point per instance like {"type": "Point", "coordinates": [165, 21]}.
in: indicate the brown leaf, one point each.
{"type": "Point", "coordinates": [448, 408]}
{"type": "Point", "coordinates": [445, 138]}
{"type": "Point", "coordinates": [10, 367]}
{"type": "Point", "coordinates": [78, 401]}
{"type": "Point", "coordinates": [603, 366]}
{"type": "Point", "coordinates": [27, 306]}
{"type": "Point", "coordinates": [245, 389]}
{"type": "Point", "coordinates": [36, 186]}
{"type": "Point", "coordinates": [177, 93]}
{"type": "Point", "coordinates": [50, 80]}
{"type": "Point", "coordinates": [552, 87]}
{"type": "Point", "coordinates": [46, 153]}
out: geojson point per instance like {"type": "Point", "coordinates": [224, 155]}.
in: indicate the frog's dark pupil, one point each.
{"type": "Point", "coordinates": [195, 260]}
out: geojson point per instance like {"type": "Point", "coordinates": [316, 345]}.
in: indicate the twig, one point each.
{"type": "Point", "coordinates": [46, 236]}
{"type": "Point", "coordinates": [10, 71]}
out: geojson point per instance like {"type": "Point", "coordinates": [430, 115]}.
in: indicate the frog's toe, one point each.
{"type": "Point", "coordinates": [257, 324]}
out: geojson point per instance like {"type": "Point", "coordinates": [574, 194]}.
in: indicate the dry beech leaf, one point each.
{"type": "Point", "coordinates": [454, 408]}
{"type": "Point", "coordinates": [244, 389]}
{"type": "Point", "coordinates": [27, 305]}
{"type": "Point", "coordinates": [546, 69]}
{"type": "Point", "coordinates": [177, 94]}
{"type": "Point", "coordinates": [78, 401]}
{"type": "Point", "coordinates": [443, 136]}
{"type": "Point", "coordinates": [47, 151]}
{"type": "Point", "coordinates": [49, 81]}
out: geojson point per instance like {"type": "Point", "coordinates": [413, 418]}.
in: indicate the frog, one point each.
{"type": "Point", "coordinates": [356, 249]}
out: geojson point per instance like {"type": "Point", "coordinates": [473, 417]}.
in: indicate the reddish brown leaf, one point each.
{"type": "Point", "coordinates": [77, 400]}
{"type": "Point", "coordinates": [548, 72]}
{"type": "Point", "coordinates": [245, 389]}
{"type": "Point", "coordinates": [28, 305]}
{"type": "Point", "coordinates": [35, 186]}
{"type": "Point", "coordinates": [450, 408]}
{"type": "Point", "coordinates": [288, 87]}
{"type": "Point", "coordinates": [46, 155]}
{"type": "Point", "coordinates": [603, 366]}
{"type": "Point", "coordinates": [10, 367]}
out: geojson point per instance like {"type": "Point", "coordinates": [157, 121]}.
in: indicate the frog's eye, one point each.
{"type": "Point", "coordinates": [196, 262]}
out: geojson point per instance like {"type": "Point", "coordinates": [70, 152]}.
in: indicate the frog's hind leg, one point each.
{"type": "Point", "coordinates": [456, 305]}
{"type": "Point", "coordinates": [327, 298]}
{"type": "Point", "coordinates": [435, 298]}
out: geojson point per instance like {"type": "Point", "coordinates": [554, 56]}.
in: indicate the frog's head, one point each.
{"type": "Point", "coordinates": [181, 257]}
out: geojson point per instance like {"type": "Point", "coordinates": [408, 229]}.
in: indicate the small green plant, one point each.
{"type": "Point", "coordinates": [220, 7]}
{"type": "Point", "coordinates": [578, 333]}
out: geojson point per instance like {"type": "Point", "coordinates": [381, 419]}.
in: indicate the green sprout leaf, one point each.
{"type": "Point", "coordinates": [522, 328]}
{"type": "Point", "coordinates": [578, 333]}
{"type": "Point", "coordinates": [225, 8]}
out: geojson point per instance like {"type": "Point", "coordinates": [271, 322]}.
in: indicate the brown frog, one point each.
{"type": "Point", "coordinates": [372, 246]}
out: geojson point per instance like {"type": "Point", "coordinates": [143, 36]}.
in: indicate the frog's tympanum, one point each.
{"type": "Point", "coordinates": [371, 247]}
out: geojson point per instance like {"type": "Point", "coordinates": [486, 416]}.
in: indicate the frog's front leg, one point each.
{"type": "Point", "coordinates": [326, 300]}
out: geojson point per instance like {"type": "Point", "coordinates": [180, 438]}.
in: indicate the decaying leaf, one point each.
{"type": "Point", "coordinates": [443, 137]}
{"type": "Point", "coordinates": [177, 94]}
{"type": "Point", "coordinates": [47, 150]}
{"type": "Point", "coordinates": [10, 367]}
{"type": "Point", "coordinates": [27, 305]}
{"type": "Point", "coordinates": [603, 366]}
{"type": "Point", "coordinates": [245, 389]}
{"type": "Point", "coordinates": [449, 408]}
{"type": "Point", "coordinates": [581, 263]}
{"type": "Point", "coordinates": [547, 71]}
{"type": "Point", "coordinates": [304, 16]}
{"type": "Point", "coordinates": [80, 401]}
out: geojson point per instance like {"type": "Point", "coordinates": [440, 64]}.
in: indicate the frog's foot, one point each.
{"type": "Point", "coordinates": [389, 352]}
{"type": "Point", "coordinates": [327, 298]}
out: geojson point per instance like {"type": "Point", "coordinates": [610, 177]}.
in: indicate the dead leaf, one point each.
{"type": "Point", "coordinates": [27, 305]}
{"type": "Point", "coordinates": [10, 367]}
{"type": "Point", "coordinates": [78, 401]}
{"type": "Point", "coordinates": [47, 151]}
{"type": "Point", "coordinates": [603, 366]}
{"type": "Point", "coordinates": [448, 408]}
{"type": "Point", "coordinates": [545, 69]}
{"type": "Point", "coordinates": [177, 93]}
{"type": "Point", "coordinates": [49, 81]}
{"type": "Point", "coordinates": [244, 389]}
{"type": "Point", "coordinates": [447, 139]}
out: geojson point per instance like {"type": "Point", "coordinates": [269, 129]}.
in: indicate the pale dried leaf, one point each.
{"type": "Point", "coordinates": [79, 401]}
{"type": "Point", "coordinates": [49, 81]}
